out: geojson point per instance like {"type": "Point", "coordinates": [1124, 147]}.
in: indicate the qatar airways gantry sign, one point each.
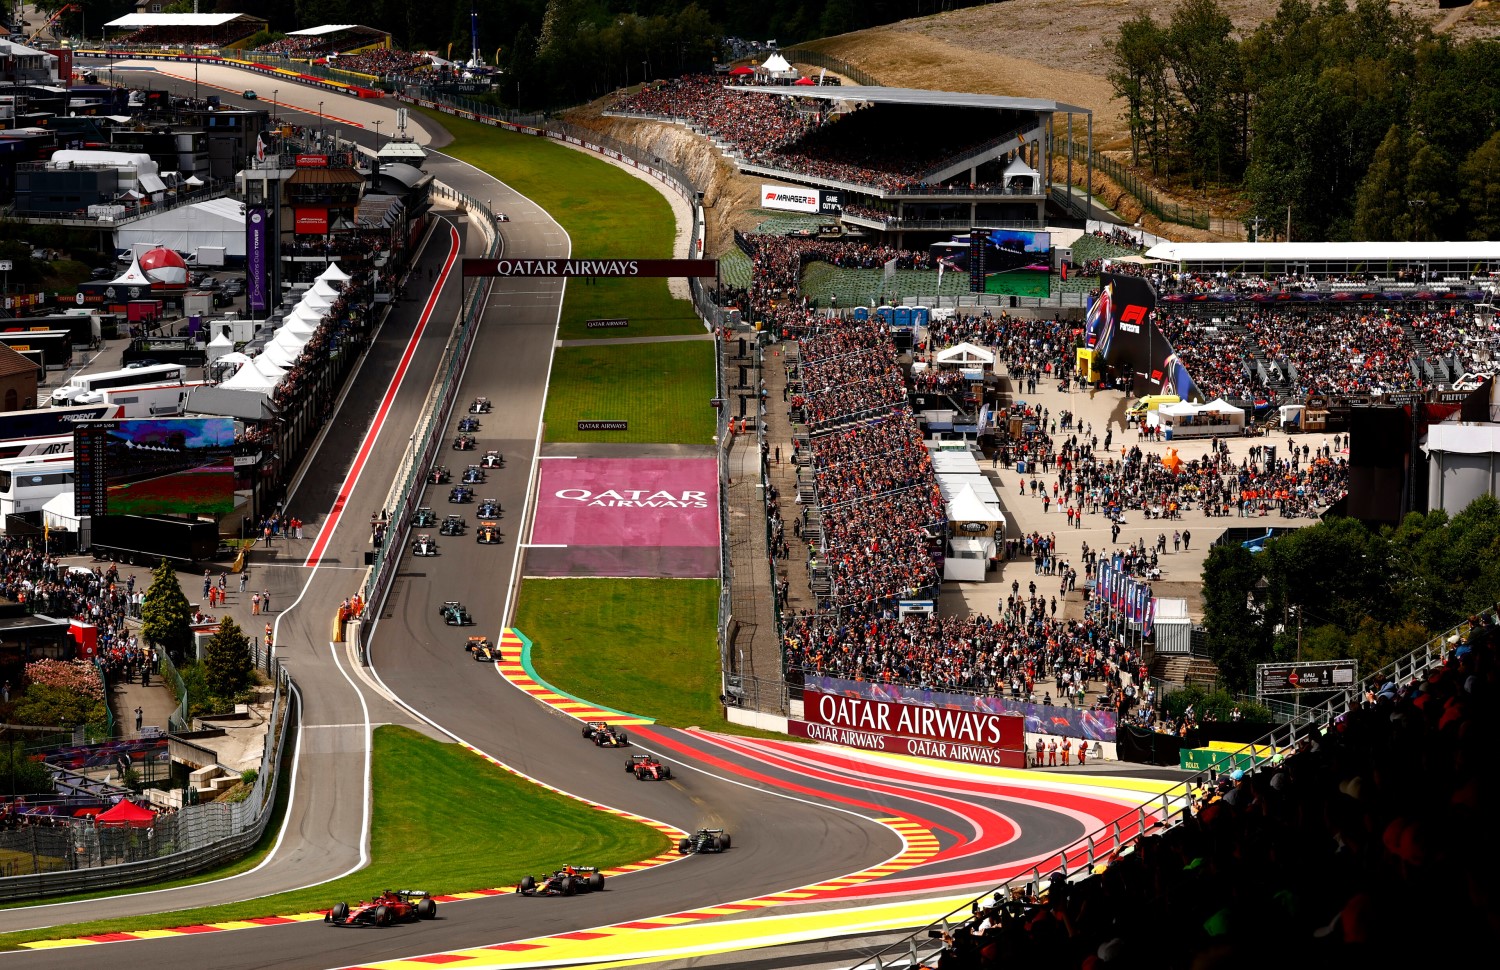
{"type": "Point", "coordinates": [619, 268]}
{"type": "Point", "coordinates": [951, 734]}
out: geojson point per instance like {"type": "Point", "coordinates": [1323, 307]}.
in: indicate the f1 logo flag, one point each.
{"type": "Point", "coordinates": [260, 148]}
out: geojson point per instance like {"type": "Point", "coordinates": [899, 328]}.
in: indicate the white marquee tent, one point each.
{"type": "Point", "coordinates": [214, 222]}
{"type": "Point", "coordinates": [965, 355]}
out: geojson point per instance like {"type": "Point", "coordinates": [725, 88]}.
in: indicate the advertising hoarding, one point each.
{"type": "Point", "coordinates": [257, 279]}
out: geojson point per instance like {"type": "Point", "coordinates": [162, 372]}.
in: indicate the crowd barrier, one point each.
{"type": "Point", "coordinates": [76, 857]}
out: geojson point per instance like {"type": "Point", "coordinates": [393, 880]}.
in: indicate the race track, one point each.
{"type": "Point", "coordinates": [813, 826]}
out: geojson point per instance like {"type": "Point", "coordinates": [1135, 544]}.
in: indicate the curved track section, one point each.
{"type": "Point", "coordinates": [814, 826]}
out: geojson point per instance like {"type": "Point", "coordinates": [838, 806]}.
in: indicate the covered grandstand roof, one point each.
{"type": "Point", "coordinates": [336, 28]}
{"type": "Point", "coordinates": [135, 21]}
{"type": "Point", "coordinates": [913, 96]}
{"type": "Point", "coordinates": [1313, 252]}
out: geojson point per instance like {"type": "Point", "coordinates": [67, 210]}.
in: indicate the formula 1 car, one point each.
{"type": "Point", "coordinates": [439, 475]}
{"type": "Point", "coordinates": [453, 525]}
{"type": "Point", "coordinates": [461, 493]}
{"type": "Point", "coordinates": [474, 475]}
{"type": "Point", "coordinates": [424, 546]}
{"type": "Point", "coordinates": [385, 909]}
{"type": "Point", "coordinates": [466, 425]}
{"type": "Point", "coordinates": [480, 405]}
{"type": "Point", "coordinates": [605, 735]}
{"type": "Point", "coordinates": [567, 881]}
{"type": "Point", "coordinates": [492, 459]}
{"type": "Point", "coordinates": [424, 518]}
{"type": "Point", "coordinates": [647, 768]}
{"type": "Point", "coordinates": [488, 534]}
{"type": "Point", "coordinates": [483, 650]}
{"type": "Point", "coordinates": [490, 509]}
{"type": "Point", "coordinates": [704, 840]}
{"type": "Point", "coordinates": [464, 442]}
{"type": "Point", "coordinates": [454, 614]}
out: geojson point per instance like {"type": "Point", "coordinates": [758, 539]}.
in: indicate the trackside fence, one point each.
{"type": "Point", "coordinates": [76, 855]}
{"type": "Point", "coordinates": [1077, 860]}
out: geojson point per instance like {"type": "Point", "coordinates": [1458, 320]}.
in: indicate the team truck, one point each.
{"type": "Point", "coordinates": [148, 539]}
{"type": "Point", "coordinates": [145, 401]}
{"type": "Point", "coordinates": [56, 345]}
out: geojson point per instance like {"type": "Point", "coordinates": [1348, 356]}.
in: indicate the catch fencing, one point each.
{"type": "Point", "coordinates": [423, 450]}
{"type": "Point", "coordinates": [52, 858]}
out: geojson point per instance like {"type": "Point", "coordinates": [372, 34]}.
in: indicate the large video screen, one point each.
{"type": "Point", "coordinates": [1015, 262]}
{"type": "Point", "coordinates": [155, 466]}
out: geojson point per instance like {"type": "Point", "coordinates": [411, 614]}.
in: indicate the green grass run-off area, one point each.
{"type": "Point", "coordinates": [607, 212]}
{"type": "Point", "coordinates": [643, 646]}
{"type": "Point", "coordinates": [507, 827]}
{"type": "Point", "coordinates": [662, 389]}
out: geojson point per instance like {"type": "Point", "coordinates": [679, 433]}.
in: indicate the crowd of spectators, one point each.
{"type": "Point", "coordinates": [1330, 844]}
{"type": "Point", "coordinates": [891, 149]}
{"type": "Point", "coordinates": [773, 296]}
{"type": "Point", "coordinates": [739, 118]}
{"type": "Point", "coordinates": [180, 37]}
{"type": "Point", "coordinates": [43, 584]}
{"type": "Point", "coordinates": [879, 505]}
{"type": "Point", "coordinates": [385, 62]}
{"type": "Point", "coordinates": [302, 46]}
{"type": "Point", "coordinates": [1319, 351]}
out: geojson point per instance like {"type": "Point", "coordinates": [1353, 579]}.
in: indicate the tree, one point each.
{"type": "Point", "coordinates": [1380, 205]}
{"type": "Point", "coordinates": [1237, 633]}
{"type": "Point", "coordinates": [1138, 74]}
{"type": "Point", "coordinates": [166, 615]}
{"type": "Point", "coordinates": [1479, 185]}
{"type": "Point", "coordinates": [226, 660]}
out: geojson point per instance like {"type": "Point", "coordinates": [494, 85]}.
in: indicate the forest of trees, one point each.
{"type": "Point", "coordinates": [1360, 120]}
{"type": "Point", "coordinates": [1350, 591]}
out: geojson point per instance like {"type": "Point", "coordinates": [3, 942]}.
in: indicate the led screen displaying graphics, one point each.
{"type": "Point", "coordinates": [1120, 326]}
{"type": "Point", "coordinates": [1015, 262]}
{"type": "Point", "coordinates": [155, 466]}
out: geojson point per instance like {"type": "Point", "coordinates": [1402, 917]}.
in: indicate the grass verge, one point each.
{"type": "Point", "coordinates": [662, 389]}
{"type": "Point", "coordinates": [643, 646]}
{"type": "Point", "coordinates": [607, 212]}
{"type": "Point", "coordinates": [416, 779]}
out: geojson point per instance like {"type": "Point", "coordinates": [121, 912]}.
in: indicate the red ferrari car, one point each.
{"type": "Point", "coordinates": [647, 768]}
{"type": "Point", "coordinates": [387, 908]}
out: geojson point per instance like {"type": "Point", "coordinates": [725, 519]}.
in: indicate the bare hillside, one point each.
{"type": "Point", "coordinates": [1050, 48]}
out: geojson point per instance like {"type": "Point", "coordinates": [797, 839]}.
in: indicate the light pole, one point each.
{"type": "Point", "coordinates": [275, 92]}
{"type": "Point", "coordinates": [320, 122]}
{"type": "Point", "coordinates": [377, 136]}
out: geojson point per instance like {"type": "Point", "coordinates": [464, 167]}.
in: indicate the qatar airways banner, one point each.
{"type": "Point", "coordinates": [1069, 722]}
{"type": "Point", "coordinates": [929, 732]}
{"type": "Point", "coordinates": [626, 517]}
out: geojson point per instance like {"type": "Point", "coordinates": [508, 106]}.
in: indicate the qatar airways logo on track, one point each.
{"type": "Point", "coordinates": [635, 498]}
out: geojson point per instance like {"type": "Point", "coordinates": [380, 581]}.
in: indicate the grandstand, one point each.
{"type": "Point", "coordinates": [900, 160]}
{"type": "Point", "coordinates": [314, 42]}
{"type": "Point", "coordinates": [183, 29]}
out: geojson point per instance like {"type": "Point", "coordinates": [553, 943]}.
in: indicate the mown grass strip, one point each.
{"type": "Point", "coordinates": [662, 389]}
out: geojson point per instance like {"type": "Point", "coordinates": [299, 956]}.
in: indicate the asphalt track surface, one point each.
{"type": "Point", "coordinates": [797, 818]}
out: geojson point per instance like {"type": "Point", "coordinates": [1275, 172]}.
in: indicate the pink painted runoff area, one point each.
{"type": "Point", "coordinates": [628, 502]}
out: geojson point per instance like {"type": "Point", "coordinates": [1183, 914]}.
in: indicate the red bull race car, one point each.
{"type": "Point", "coordinates": [567, 881]}
{"type": "Point", "coordinates": [389, 907]}
{"type": "Point", "coordinates": [605, 735]}
{"type": "Point", "coordinates": [647, 768]}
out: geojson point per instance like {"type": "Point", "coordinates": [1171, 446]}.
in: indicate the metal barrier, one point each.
{"type": "Point", "coordinates": [799, 55]}
{"type": "Point", "coordinates": [1077, 860]}
{"type": "Point", "coordinates": [79, 856]}
{"type": "Point", "coordinates": [178, 720]}
{"type": "Point", "coordinates": [1132, 183]}
{"type": "Point", "coordinates": [425, 443]}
